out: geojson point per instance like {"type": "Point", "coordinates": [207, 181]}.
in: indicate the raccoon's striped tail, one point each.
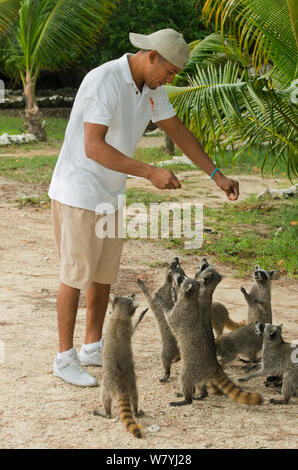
{"type": "Point", "coordinates": [232, 325]}
{"type": "Point", "coordinates": [126, 416]}
{"type": "Point", "coordinates": [225, 384]}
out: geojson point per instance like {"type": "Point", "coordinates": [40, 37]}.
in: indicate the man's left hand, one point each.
{"type": "Point", "coordinates": [228, 185]}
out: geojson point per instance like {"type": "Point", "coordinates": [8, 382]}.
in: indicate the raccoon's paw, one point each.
{"type": "Point", "coordinates": [101, 414]}
{"type": "Point", "coordinates": [164, 379]}
{"type": "Point", "coordinates": [139, 413]}
{"type": "Point", "coordinates": [180, 403]}
{"type": "Point", "coordinates": [277, 402]}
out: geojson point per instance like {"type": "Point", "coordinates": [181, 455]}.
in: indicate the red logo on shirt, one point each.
{"type": "Point", "coordinates": [152, 103]}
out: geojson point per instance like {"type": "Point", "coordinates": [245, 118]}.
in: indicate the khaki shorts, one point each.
{"type": "Point", "coordinates": [83, 256]}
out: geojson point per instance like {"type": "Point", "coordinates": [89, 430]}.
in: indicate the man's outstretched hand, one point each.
{"type": "Point", "coordinates": [162, 178]}
{"type": "Point", "coordinates": [228, 185]}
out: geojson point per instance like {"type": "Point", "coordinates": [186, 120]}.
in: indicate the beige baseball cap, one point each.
{"type": "Point", "coordinates": [167, 42]}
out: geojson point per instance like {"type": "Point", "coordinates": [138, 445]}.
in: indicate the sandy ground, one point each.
{"type": "Point", "coordinates": [38, 410]}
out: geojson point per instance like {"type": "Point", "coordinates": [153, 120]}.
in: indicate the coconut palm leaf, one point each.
{"type": "Point", "coordinates": [47, 34]}
{"type": "Point", "coordinates": [223, 109]}
{"type": "Point", "coordinates": [51, 33]}
{"type": "Point", "coordinates": [212, 50]}
{"type": "Point", "coordinates": [8, 11]}
{"type": "Point", "coordinates": [266, 28]}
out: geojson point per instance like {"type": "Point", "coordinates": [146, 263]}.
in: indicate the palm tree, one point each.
{"type": "Point", "coordinates": [46, 34]}
{"type": "Point", "coordinates": [238, 89]}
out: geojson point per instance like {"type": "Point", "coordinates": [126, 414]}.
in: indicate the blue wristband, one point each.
{"type": "Point", "coordinates": [212, 174]}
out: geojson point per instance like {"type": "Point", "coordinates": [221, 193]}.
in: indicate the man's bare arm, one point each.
{"type": "Point", "coordinates": [101, 152]}
{"type": "Point", "coordinates": [192, 148]}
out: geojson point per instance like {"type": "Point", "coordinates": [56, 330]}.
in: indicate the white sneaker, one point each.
{"type": "Point", "coordinates": [90, 358]}
{"type": "Point", "coordinates": [71, 371]}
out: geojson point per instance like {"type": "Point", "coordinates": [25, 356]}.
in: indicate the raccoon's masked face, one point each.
{"type": "Point", "coordinates": [262, 276]}
{"type": "Point", "coordinates": [127, 302]}
{"type": "Point", "coordinates": [204, 265]}
{"type": "Point", "coordinates": [176, 267]}
{"type": "Point", "coordinates": [269, 331]}
{"type": "Point", "coordinates": [209, 277]}
{"type": "Point", "coordinates": [185, 287]}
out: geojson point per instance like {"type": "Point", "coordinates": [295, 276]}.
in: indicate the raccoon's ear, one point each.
{"type": "Point", "coordinates": [273, 332]}
{"type": "Point", "coordinates": [188, 289]}
{"type": "Point", "coordinates": [271, 273]}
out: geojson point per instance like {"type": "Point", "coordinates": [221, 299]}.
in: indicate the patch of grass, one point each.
{"type": "Point", "coordinates": [249, 162]}
{"type": "Point", "coordinates": [254, 232]}
{"type": "Point", "coordinates": [134, 195]}
{"type": "Point", "coordinates": [55, 127]}
{"type": "Point", "coordinates": [42, 200]}
{"type": "Point", "coordinates": [156, 264]}
{"type": "Point", "coordinates": [28, 169]}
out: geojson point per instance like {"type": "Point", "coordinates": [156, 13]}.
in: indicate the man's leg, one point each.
{"type": "Point", "coordinates": [97, 301]}
{"type": "Point", "coordinates": [67, 307]}
{"type": "Point", "coordinates": [66, 364]}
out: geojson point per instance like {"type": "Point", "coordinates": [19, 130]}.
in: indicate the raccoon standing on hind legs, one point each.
{"type": "Point", "coordinates": [261, 292]}
{"type": "Point", "coordinates": [170, 351]}
{"type": "Point", "coordinates": [219, 314]}
{"type": "Point", "coordinates": [190, 322]}
{"type": "Point", "coordinates": [119, 380]}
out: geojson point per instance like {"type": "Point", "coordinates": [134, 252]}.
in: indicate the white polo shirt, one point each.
{"type": "Point", "coordinates": [108, 95]}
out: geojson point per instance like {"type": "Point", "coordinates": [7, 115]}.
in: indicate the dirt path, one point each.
{"type": "Point", "coordinates": [38, 410]}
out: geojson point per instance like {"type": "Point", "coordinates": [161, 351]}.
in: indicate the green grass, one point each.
{"type": "Point", "coordinates": [251, 232]}
{"type": "Point", "coordinates": [254, 232]}
{"type": "Point", "coordinates": [42, 200]}
{"type": "Point", "coordinates": [250, 163]}
{"type": "Point", "coordinates": [146, 197]}
{"type": "Point", "coordinates": [55, 127]}
{"type": "Point", "coordinates": [28, 169]}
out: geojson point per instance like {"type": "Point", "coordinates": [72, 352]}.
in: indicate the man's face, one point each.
{"type": "Point", "coordinates": [159, 71]}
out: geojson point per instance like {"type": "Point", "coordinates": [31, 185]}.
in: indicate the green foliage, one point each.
{"type": "Point", "coordinates": [28, 169]}
{"type": "Point", "coordinates": [262, 230]}
{"type": "Point", "coordinates": [48, 34]}
{"type": "Point", "coordinates": [8, 12]}
{"type": "Point", "coordinates": [145, 17]}
{"type": "Point", "coordinates": [226, 98]}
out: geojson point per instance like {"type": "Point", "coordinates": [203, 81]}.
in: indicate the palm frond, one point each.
{"type": "Point", "coordinates": [265, 26]}
{"type": "Point", "coordinates": [51, 33]}
{"type": "Point", "coordinates": [8, 11]}
{"type": "Point", "coordinates": [223, 109]}
{"type": "Point", "coordinates": [212, 50]}
{"type": "Point", "coordinates": [70, 27]}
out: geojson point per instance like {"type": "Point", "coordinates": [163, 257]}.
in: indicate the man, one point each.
{"type": "Point", "coordinates": [112, 108]}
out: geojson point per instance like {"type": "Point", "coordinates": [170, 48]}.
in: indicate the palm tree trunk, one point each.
{"type": "Point", "coordinates": [32, 112]}
{"type": "Point", "coordinates": [169, 146]}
